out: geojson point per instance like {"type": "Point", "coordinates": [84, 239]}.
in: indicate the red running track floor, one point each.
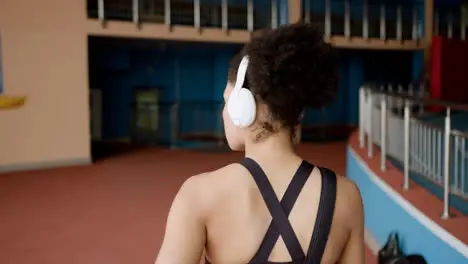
{"type": "Point", "coordinates": [112, 212]}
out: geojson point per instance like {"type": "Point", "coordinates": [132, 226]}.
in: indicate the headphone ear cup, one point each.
{"type": "Point", "coordinates": [233, 108]}
{"type": "Point", "coordinates": [248, 108]}
{"type": "Point", "coordinates": [242, 108]}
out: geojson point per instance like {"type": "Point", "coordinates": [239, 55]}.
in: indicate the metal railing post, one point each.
{"type": "Point", "coordinates": [406, 144]}
{"type": "Point", "coordinates": [347, 19]}
{"type": "Point", "coordinates": [383, 132]}
{"type": "Point", "coordinates": [462, 164]}
{"type": "Point", "coordinates": [250, 16]}
{"type": "Point", "coordinates": [399, 25]}
{"type": "Point", "coordinates": [450, 24]}
{"type": "Point", "coordinates": [362, 98]}
{"type": "Point", "coordinates": [383, 27]}
{"type": "Point", "coordinates": [224, 15]}
{"type": "Point", "coordinates": [327, 18]}
{"type": "Point", "coordinates": [414, 31]}
{"type": "Point", "coordinates": [274, 14]}
{"type": "Point", "coordinates": [445, 212]}
{"type": "Point", "coordinates": [167, 12]}
{"type": "Point", "coordinates": [307, 11]}
{"type": "Point", "coordinates": [196, 14]}
{"type": "Point", "coordinates": [101, 15]}
{"type": "Point", "coordinates": [136, 11]}
{"type": "Point", "coordinates": [365, 20]}
{"type": "Point", "coordinates": [369, 124]}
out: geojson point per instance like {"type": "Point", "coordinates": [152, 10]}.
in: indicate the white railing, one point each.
{"type": "Point", "coordinates": [394, 122]}
{"type": "Point", "coordinates": [450, 21]}
{"type": "Point", "coordinates": [383, 21]}
{"type": "Point", "coordinates": [197, 13]}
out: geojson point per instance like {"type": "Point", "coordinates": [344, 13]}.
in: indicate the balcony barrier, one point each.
{"type": "Point", "coordinates": [369, 26]}
{"type": "Point", "coordinates": [451, 21]}
{"type": "Point", "coordinates": [197, 13]}
{"type": "Point", "coordinates": [393, 121]}
{"type": "Point", "coordinates": [382, 21]}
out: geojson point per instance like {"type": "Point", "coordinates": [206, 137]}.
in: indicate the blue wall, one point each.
{"type": "Point", "coordinates": [187, 72]}
{"type": "Point", "coordinates": [384, 212]}
{"type": "Point", "coordinates": [197, 72]}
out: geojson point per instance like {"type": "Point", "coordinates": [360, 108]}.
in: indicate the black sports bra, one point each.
{"type": "Point", "coordinates": [280, 211]}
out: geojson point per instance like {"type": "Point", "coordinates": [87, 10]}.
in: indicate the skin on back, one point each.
{"type": "Point", "coordinates": [224, 213]}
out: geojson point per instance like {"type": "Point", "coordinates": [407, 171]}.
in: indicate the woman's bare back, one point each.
{"type": "Point", "coordinates": [238, 217]}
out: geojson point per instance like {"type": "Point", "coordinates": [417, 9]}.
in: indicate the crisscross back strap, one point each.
{"type": "Point", "coordinates": [324, 218]}
{"type": "Point", "coordinates": [279, 218]}
{"type": "Point", "coordinates": [287, 202]}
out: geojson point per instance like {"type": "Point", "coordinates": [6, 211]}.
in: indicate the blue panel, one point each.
{"type": "Point", "coordinates": [195, 78]}
{"type": "Point", "coordinates": [418, 66]}
{"type": "Point", "coordinates": [116, 59]}
{"type": "Point", "coordinates": [355, 80]}
{"type": "Point", "coordinates": [192, 72]}
{"type": "Point", "coordinates": [283, 12]}
{"type": "Point", "coordinates": [384, 214]}
{"type": "Point", "coordinates": [220, 72]}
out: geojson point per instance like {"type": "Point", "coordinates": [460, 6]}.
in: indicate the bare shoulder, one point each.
{"type": "Point", "coordinates": [210, 180]}
{"type": "Point", "coordinates": [348, 196]}
{"type": "Point", "coordinates": [205, 188]}
{"type": "Point", "coordinates": [348, 188]}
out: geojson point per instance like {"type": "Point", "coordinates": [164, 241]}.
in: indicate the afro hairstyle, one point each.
{"type": "Point", "coordinates": [290, 68]}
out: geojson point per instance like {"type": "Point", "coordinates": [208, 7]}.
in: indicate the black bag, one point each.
{"type": "Point", "coordinates": [416, 259]}
{"type": "Point", "coordinates": [391, 252]}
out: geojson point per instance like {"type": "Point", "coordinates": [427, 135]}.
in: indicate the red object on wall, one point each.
{"type": "Point", "coordinates": [449, 78]}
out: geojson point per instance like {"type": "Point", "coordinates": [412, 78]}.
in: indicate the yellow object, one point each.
{"type": "Point", "coordinates": [11, 102]}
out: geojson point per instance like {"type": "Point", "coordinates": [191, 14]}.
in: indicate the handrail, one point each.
{"type": "Point", "coordinates": [454, 132]}
{"type": "Point", "coordinates": [426, 101]}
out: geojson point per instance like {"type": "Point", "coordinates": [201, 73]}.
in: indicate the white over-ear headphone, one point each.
{"type": "Point", "coordinates": [241, 105]}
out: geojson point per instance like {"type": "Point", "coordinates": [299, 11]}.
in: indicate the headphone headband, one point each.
{"type": "Point", "coordinates": [241, 73]}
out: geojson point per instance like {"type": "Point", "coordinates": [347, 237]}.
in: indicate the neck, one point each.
{"type": "Point", "coordinates": [276, 148]}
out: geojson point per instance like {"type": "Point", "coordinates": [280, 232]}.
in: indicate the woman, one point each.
{"type": "Point", "coordinates": [234, 214]}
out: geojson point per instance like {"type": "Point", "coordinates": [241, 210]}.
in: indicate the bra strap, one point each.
{"type": "Point", "coordinates": [279, 217]}
{"type": "Point", "coordinates": [324, 219]}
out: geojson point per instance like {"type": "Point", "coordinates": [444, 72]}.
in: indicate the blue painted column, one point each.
{"type": "Point", "coordinates": [220, 71]}
{"type": "Point", "coordinates": [355, 79]}
{"type": "Point", "coordinates": [283, 12]}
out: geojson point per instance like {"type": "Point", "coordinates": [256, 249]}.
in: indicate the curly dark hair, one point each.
{"type": "Point", "coordinates": [290, 68]}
